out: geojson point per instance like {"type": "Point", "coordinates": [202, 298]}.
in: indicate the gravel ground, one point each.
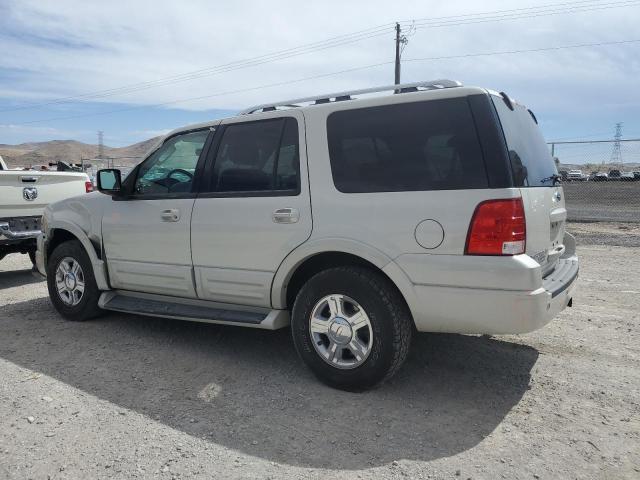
{"type": "Point", "coordinates": [603, 201]}
{"type": "Point", "coordinates": [133, 397]}
{"type": "Point", "coordinates": [611, 234]}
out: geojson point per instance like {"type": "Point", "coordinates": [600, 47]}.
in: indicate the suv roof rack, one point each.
{"type": "Point", "coordinates": [342, 96]}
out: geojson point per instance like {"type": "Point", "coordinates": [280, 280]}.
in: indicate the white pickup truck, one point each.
{"type": "Point", "coordinates": [23, 196]}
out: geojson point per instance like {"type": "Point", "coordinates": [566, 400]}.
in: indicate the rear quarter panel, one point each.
{"type": "Point", "coordinates": [387, 221]}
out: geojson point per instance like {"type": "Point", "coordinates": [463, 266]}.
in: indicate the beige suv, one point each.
{"type": "Point", "coordinates": [356, 217]}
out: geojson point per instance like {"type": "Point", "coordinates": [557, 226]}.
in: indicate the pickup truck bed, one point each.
{"type": "Point", "coordinates": [23, 196]}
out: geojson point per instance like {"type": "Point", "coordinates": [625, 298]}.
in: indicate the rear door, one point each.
{"type": "Point", "coordinates": [254, 210]}
{"type": "Point", "coordinates": [535, 172]}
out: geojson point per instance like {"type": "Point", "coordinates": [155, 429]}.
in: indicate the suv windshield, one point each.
{"type": "Point", "coordinates": [531, 161]}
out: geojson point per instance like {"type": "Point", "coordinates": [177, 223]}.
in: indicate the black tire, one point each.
{"type": "Point", "coordinates": [88, 306]}
{"type": "Point", "coordinates": [391, 324]}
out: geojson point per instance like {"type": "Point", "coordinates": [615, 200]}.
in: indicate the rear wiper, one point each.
{"type": "Point", "coordinates": [555, 177]}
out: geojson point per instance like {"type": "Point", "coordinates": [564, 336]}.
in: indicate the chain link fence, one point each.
{"type": "Point", "coordinates": [601, 179]}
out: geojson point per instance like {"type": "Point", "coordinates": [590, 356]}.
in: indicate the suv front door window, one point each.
{"type": "Point", "coordinates": [171, 168]}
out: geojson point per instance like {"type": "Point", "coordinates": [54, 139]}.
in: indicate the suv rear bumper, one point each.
{"type": "Point", "coordinates": [491, 309]}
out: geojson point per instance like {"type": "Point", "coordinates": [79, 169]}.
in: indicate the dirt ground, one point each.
{"type": "Point", "coordinates": [133, 397]}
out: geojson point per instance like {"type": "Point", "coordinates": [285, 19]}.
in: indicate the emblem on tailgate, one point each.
{"type": "Point", "coordinates": [30, 193]}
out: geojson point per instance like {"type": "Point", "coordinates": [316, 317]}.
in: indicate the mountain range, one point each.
{"type": "Point", "coordinates": [72, 151]}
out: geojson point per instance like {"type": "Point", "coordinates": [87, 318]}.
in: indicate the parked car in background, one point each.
{"type": "Point", "coordinates": [23, 196]}
{"type": "Point", "coordinates": [563, 175]}
{"type": "Point", "coordinates": [576, 176]}
{"type": "Point", "coordinates": [356, 220]}
{"type": "Point", "coordinates": [615, 174]}
{"type": "Point", "coordinates": [600, 177]}
{"type": "Point", "coordinates": [636, 175]}
{"type": "Point", "coordinates": [627, 177]}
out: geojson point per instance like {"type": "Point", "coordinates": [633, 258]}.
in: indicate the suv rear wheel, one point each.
{"type": "Point", "coordinates": [72, 286]}
{"type": "Point", "coordinates": [351, 327]}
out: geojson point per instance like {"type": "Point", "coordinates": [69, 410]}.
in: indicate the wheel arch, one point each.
{"type": "Point", "coordinates": [305, 262]}
{"type": "Point", "coordinates": [60, 232]}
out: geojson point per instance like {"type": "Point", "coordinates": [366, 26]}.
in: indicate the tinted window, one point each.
{"type": "Point", "coordinates": [531, 161]}
{"type": "Point", "coordinates": [171, 168]}
{"type": "Point", "coordinates": [413, 146]}
{"type": "Point", "coordinates": [258, 156]}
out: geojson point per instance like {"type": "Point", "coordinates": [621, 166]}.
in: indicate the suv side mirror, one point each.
{"type": "Point", "coordinates": [109, 181]}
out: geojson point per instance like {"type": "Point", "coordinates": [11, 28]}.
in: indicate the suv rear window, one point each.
{"type": "Point", "coordinates": [531, 160]}
{"type": "Point", "coordinates": [430, 145]}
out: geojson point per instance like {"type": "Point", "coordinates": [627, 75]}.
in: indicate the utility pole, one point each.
{"type": "Point", "coordinates": [401, 42]}
{"type": "Point", "coordinates": [398, 40]}
{"type": "Point", "coordinates": [101, 145]}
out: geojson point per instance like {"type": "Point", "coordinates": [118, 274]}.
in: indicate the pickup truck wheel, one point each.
{"type": "Point", "coordinates": [351, 327]}
{"type": "Point", "coordinates": [71, 283]}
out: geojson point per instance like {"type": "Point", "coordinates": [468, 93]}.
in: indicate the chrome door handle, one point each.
{"type": "Point", "coordinates": [170, 215]}
{"type": "Point", "coordinates": [286, 215]}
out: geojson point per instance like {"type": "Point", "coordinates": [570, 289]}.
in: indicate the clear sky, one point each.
{"type": "Point", "coordinates": [88, 52]}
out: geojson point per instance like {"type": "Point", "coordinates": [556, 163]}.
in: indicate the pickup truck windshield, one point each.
{"type": "Point", "coordinates": [531, 161]}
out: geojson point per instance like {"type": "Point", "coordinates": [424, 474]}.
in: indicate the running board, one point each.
{"type": "Point", "coordinates": [192, 310]}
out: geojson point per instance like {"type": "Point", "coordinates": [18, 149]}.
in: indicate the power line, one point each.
{"type": "Point", "coordinates": [530, 50]}
{"type": "Point", "coordinates": [514, 10]}
{"type": "Point", "coordinates": [573, 138]}
{"type": "Point", "coordinates": [235, 65]}
{"type": "Point", "coordinates": [340, 40]}
{"type": "Point", "coordinates": [581, 139]}
{"type": "Point", "coordinates": [527, 15]}
{"type": "Point", "coordinates": [324, 75]}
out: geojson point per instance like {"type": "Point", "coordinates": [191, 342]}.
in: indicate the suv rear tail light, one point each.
{"type": "Point", "coordinates": [498, 227]}
{"type": "Point", "coordinates": [88, 186]}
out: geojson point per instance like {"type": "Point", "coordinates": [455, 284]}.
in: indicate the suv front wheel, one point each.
{"type": "Point", "coordinates": [351, 327]}
{"type": "Point", "coordinates": [71, 283]}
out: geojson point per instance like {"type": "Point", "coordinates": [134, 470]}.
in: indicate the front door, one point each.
{"type": "Point", "coordinates": [254, 210]}
{"type": "Point", "coordinates": [146, 236]}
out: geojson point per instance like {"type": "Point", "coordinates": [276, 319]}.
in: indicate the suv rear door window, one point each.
{"type": "Point", "coordinates": [429, 145]}
{"type": "Point", "coordinates": [257, 157]}
{"type": "Point", "coordinates": [531, 160]}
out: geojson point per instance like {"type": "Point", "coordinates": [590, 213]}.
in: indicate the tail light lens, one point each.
{"type": "Point", "coordinates": [88, 186]}
{"type": "Point", "coordinates": [498, 227]}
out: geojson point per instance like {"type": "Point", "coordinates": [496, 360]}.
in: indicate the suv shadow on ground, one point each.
{"type": "Point", "coordinates": [246, 390]}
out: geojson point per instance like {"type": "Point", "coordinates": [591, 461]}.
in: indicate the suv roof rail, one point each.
{"type": "Point", "coordinates": [343, 96]}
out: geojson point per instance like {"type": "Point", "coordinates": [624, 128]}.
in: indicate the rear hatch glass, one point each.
{"type": "Point", "coordinates": [535, 173]}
